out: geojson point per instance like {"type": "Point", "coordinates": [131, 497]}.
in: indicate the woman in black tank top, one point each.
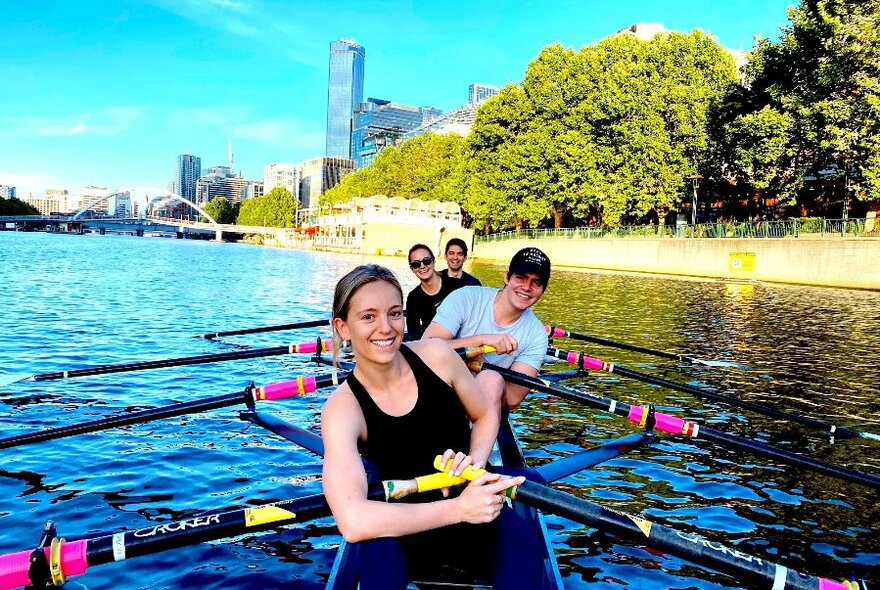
{"type": "Point", "coordinates": [400, 408]}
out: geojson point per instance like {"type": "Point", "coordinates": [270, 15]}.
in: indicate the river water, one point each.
{"type": "Point", "coordinates": [75, 301]}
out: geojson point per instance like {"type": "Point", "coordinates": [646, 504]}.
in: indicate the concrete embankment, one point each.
{"type": "Point", "coordinates": [826, 261]}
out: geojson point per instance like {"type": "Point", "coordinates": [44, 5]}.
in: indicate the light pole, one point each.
{"type": "Point", "coordinates": [695, 178]}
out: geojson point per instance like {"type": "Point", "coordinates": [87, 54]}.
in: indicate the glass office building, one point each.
{"type": "Point", "coordinates": [379, 123]}
{"type": "Point", "coordinates": [345, 91]}
{"type": "Point", "coordinates": [189, 170]}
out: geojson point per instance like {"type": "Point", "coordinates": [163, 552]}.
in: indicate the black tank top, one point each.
{"type": "Point", "coordinates": [403, 447]}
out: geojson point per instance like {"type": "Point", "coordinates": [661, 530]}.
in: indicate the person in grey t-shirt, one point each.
{"type": "Point", "coordinates": [477, 316]}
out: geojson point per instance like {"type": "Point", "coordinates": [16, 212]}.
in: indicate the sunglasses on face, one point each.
{"type": "Point", "coordinates": [426, 261]}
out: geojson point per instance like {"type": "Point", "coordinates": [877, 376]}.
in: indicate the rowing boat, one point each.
{"type": "Point", "coordinates": [509, 454]}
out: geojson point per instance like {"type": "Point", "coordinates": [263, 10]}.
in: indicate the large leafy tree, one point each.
{"type": "Point", "coordinates": [813, 103]}
{"type": "Point", "coordinates": [16, 207]}
{"type": "Point", "coordinates": [222, 210]}
{"type": "Point", "coordinates": [430, 167]}
{"type": "Point", "coordinates": [275, 209]}
{"type": "Point", "coordinates": [615, 128]}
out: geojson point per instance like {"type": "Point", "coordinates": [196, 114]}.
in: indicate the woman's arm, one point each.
{"type": "Point", "coordinates": [345, 485]}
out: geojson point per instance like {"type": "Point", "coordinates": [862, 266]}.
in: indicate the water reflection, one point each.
{"type": "Point", "coordinates": [71, 302]}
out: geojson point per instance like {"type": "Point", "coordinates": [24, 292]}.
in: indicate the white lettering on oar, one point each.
{"type": "Point", "coordinates": [118, 546]}
{"type": "Point", "coordinates": [779, 578]}
{"type": "Point", "coordinates": [719, 548]}
{"type": "Point", "coordinates": [182, 525]}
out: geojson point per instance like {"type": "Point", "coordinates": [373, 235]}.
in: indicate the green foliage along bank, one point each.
{"type": "Point", "coordinates": [16, 207]}
{"type": "Point", "coordinates": [276, 209]}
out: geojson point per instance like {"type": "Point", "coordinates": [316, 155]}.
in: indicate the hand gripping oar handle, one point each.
{"type": "Point", "coordinates": [594, 364]}
{"type": "Point", "coordinates": [301, 348]}
{"type": "Point", "coordinates": [275, 391]}
{"type": "Point", "coordinates": [278, 328]}
{"type": "Point", "coordinates": [685, 545]}
{"type": "Point", "coordinates": [676, 425]}
{"type": "Point", "coordinates": [66, 559]}
{"type": "Point", "coordinates": [554, 332]}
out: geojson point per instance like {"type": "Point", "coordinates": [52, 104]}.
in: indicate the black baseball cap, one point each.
{"type": "Point", "coordinates": [531, 260]}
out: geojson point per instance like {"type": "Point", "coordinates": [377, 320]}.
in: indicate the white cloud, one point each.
{"type": "Point", "coordinates": [28, 183]}
{"type": "Point", "coordinates": [274, 26]}
{"type": "Point", "coordinates": [108, 122]}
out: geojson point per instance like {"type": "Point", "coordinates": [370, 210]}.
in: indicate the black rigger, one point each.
{"type": "Point", "coordinates": [278, 328]}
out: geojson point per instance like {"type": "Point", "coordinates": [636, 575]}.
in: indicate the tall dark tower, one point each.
{"type": "Point", "coordinates": [345, 92]}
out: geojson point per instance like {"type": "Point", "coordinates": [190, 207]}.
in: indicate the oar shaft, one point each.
{"type": "Point", "coordinates": [675, 425]}
{"type": "Point", "coordinates": [687, 546]}
{"type": "Point", "coordinates": [159, 364]}
{"type": "Point", "coordinates": [278, 328]}
{"type": "Point", "coordinates": [302, 348]}
{"type": "Point", "coordinates": [600, 365]}
{"type": "Point", "coordinates": [560, 333]}
{"type": "Point", "coordinates": [276, 391]}
{"type": "Point", "coordinates": [75, 557]}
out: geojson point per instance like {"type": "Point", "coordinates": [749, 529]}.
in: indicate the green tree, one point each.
{"type": "Point", "coordinates": [16, 207]}
{"type": "Point", "coordinates": [430, 167]}
{"type": "Point", "coordinates": [222, 210]}
{"type": "Point", "coordinates": [276, 209]}
{"type": "Point", "coordinates": [815, 97]}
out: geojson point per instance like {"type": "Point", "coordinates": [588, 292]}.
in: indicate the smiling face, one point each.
{"type": "Point", "coordinates": [374, 323]}
{"type": "Point", "coordinates": [523, 290]}
{"type": "Point", "coordinates": [423, 272]}
{"type": "Point", "coordinates": [455, 258]}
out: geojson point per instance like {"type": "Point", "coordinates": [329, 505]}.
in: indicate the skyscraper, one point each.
{"type": "Point", "coordinates": [479, 92]}
{"type": "Point", "coordinates": [189, 170]}
{"type": "Point", "coordinates": [379, 123]}
{"type": "Point", "coordinates": [345, 91]}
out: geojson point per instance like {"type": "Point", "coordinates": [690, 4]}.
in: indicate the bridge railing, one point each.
{"type": "Point", "coordinates": [791, 228]}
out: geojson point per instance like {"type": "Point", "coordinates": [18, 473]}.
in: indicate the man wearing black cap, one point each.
{"type": "Point", "coordinates": [477, 316]}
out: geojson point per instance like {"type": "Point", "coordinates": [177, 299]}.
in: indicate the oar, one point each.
{"type": "Point", "coordinates": [274, 391]}
{"type": "Point", "coordinates": [687, 546]}
{"type": "Point", "coordinates": [595, 364]}
{"type": "Point", "coordinates": [278, 328]}
{"type": "Point", "coordinates": [302, 348]}
{"type": "Point", "coordinates": [63, 559]}
{"type": "Point", "coordinates": [675, 425]}
{"type": "Point", "coordinates": [555, 332]}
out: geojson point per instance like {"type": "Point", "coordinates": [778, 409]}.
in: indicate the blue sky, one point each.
{"type": "Point", "coordinates": [110, 92]}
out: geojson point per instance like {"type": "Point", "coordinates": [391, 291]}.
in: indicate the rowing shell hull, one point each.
{"type": "Point", "coordinates": [344, 577]}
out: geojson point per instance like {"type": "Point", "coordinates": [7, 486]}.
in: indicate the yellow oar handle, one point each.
{"type": "Point", "coordinates": [468, 474]}
{"type": "Point", "coordinates": [398, 488]}
{"type": "Point", "coordinates": [470, 352]}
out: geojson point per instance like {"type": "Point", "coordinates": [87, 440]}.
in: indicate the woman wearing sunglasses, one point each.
{"type": "Point", "coordinates": [423, 301]}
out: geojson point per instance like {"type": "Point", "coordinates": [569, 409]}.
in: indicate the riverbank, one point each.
{"type": "Point", "coordinates": [827, 261]}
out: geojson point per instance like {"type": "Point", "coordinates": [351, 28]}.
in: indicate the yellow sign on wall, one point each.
{"type": "Point", "coordinates": [741, 262]}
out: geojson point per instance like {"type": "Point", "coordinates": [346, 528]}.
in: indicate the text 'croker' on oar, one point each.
{"type": "Point", "coordinates": [687, 546]}
{"type": "Point", "coordinates": [278, 328]}
{"type": "Point", "coordinates": [60, 559]}
{"type": "Point", "coordinates": [646, 416]}
{"type": "Point", "coordinates": [317, 345]}
{"type": "Point", "coordinates": [594, 364]}
{"type": "Point", "coordinates": [555, 332]}
{"type": "Point", "coordinates": [273, 391]}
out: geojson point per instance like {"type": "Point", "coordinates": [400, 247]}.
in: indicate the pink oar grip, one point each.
{"type": "Point", "coordinates": [14, 567]}
{"type": "Point", "coordinates": [286, 389]}
{"type": "Point", "coordinates": [826, 584]}
{"type": "Point", "coordinates": [594, 364]}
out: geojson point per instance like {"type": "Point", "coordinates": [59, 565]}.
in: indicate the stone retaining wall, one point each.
{"type": "Point", "coordinates": [826, 261]}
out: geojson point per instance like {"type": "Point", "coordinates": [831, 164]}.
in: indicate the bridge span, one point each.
{"type": "Point", "coordinates": [151, 225]}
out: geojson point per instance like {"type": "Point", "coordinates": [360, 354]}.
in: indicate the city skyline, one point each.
{"type": "Point", "coordinates": [110, 94]}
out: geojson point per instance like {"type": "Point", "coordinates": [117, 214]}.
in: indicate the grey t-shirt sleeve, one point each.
{"type": "Point", "coordinates": [534, 347]}
{"type": "Point", "coordinates": [450, 314]}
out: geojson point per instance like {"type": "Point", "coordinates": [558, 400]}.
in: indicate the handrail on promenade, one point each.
{"type": "Point", "coordinates": [792, 228]}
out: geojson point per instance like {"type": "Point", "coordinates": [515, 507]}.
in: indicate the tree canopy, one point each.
{"type": "Point", "coordinates": [812, 102]}
{"type": "Point", "coordinates": [276, 209]}
{"type": "Point", "coordinates": [222, 210]}
{"type": "Point", "coordinates": [16, 207]}
{"type": "Point", "coordinates": [430, 166]}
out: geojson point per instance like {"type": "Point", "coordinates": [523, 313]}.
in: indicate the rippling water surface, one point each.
{"type": "Point", "coordinates": [75, 301]}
